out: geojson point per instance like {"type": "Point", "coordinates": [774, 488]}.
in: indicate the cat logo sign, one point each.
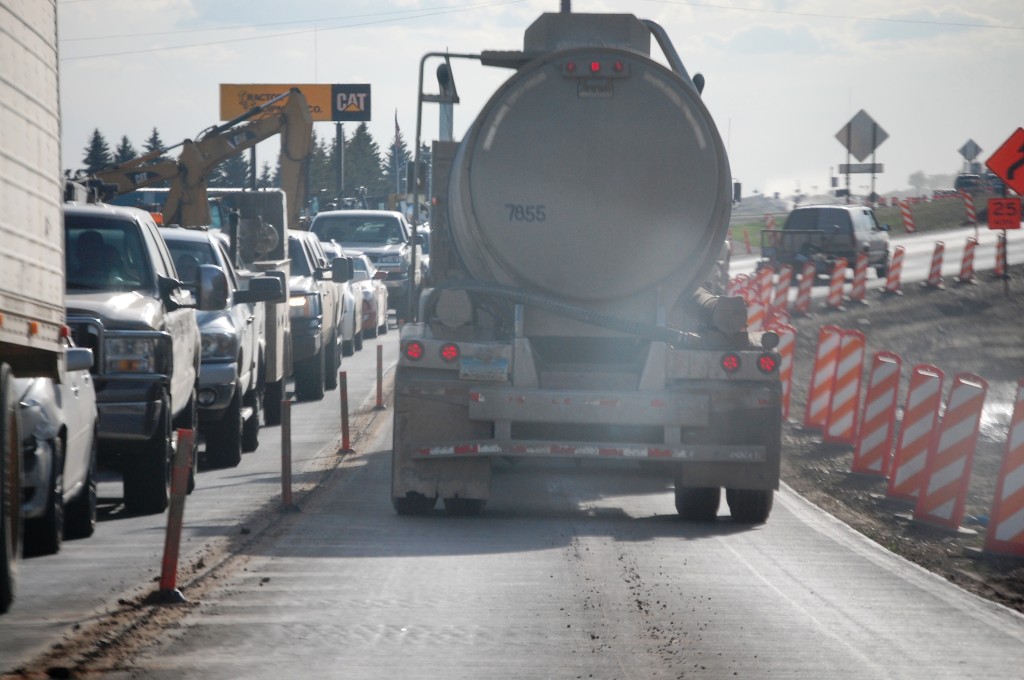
{"type": "Point", "coordinates": [339, 103]}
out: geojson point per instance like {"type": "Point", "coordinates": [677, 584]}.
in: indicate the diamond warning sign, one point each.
{"type": "Point", "coordinates": [1008, 161]}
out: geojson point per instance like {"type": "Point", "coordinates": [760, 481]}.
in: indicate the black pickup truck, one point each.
{"type": "Point", "coordinates": [126, 303]}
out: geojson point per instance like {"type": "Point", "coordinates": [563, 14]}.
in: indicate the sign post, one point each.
{"type": "Point", "coordinates": [1005, 213]}
{"type": "Point", "coordinates": [861, 137]}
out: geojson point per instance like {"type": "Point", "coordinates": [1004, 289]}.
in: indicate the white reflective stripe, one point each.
{"type": "Point", "coordinates": [880, 405]}
{"type": "Point", "coordinates": [958, 432]}
{"type": "Point", "coordinates": [841, 425]}
{"type": "Point", "coordinates": [845, 394]}
{"type": "Point", "coordinates": [1011, 528]}
{"type": "Point", "coordinates": [911, 468]}
{"type": "Point", "coordinates": [873, 439]}
{"type": "Point", "coordinates": [1016, 435]}
{"type": "Point", "coordinates": [1013, 482]}
{"type": "Point", "coordinates": [944, 511]}
{"type": "Point", "coordinates": [946, 476]}
{"type": "Point", "coordinates": [922, 393]}
{"type": "Point", "coordinates": [916, 431]}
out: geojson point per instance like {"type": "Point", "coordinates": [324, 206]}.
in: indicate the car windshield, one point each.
{"type": "Point", "coordinates": [188, 255]}
{"type": "Point", "coordinates": [300, 263]}
{"type": "Point", "coordinates": [820, 219]}
{"type": "Point", "coordinates": [104, 254]}
{"type": "Point", "coordinates": [352, 229]}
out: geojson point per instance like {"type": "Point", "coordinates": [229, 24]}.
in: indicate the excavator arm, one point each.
{"type": "Point", "coordinates": [187, 203]}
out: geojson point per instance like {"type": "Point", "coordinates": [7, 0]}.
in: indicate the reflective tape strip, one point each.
{"type": "Point", "coordinates": [1006, 520]}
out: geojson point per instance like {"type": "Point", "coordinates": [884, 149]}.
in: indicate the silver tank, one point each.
{"type": "Point", "coordinates": [593, 175]}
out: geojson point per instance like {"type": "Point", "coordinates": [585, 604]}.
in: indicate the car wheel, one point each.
{"type": "Point", "coordinates": [224, 437]}
{"type": "Point", "coordinates": [10, 488]}
{"type": "Point", "coordinates": [309, 378]}
{"type": "Point", "coordinates": [413, 504]}
{"type": "Point", "coordinates": [251, 427]}
{"type": "Point", "coordinates": [883, 268]}
{"type": "Point", "coordinates": [332, 362]}
{"type": "Point", "coordinates": [80, 513]}
{"type": "Point", "coordinates": [357, 340]}
{"type": "Point", "coordinates": [147, 469]}
{"type": "Point", "coordinates": [43, 535]}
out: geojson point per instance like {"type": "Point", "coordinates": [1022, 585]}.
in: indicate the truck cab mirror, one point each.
{"type": "Point", "coordinates": [261, 289]}
{"type": "Point", "coordinates": [78, 359]}
{"type": "Point", "coordinates": [341, 268]}
{"type": "Point", "coordinates": [213, 288]}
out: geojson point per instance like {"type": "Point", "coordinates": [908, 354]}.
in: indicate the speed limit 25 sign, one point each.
{"type": "Point", "coordinates": [1004, 213]}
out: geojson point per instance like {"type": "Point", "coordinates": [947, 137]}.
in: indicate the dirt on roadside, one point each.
{"type": "Point", "coordinates": [962, 328]}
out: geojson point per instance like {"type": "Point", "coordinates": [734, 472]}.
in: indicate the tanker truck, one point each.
{"type": "Point", "coordinates": [576, 311]}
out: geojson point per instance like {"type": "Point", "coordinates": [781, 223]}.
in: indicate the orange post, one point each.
{"type": "Point", "coordinates": [175, 513]}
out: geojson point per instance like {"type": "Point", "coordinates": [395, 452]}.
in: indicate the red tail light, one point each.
{"type": "Point", "coordinates": [731, 362]}
{"type": "Point", "coordinates": [767, 363]}
{"type": "Point", "coordinates": [450, 352]}
{"type": "Point", "coordinates": [414, 350]}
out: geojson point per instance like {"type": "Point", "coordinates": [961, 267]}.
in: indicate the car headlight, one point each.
{"type": "Point", "coordinates": [304, 306]}
{"type": "Point", "coordinates": [130, 355]}
{"type": "Point", "coordinates": [219, 346]}
{"type": "Point", "coordinates": [390, 259]}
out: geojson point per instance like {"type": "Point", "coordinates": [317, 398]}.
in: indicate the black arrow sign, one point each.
{"type": "Point", "coordinates": [1012, 170]}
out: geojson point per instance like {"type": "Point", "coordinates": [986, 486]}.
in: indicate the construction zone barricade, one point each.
{"type": "Point", "coordinates": [781, 300]}
{"type": "Point", "coordinates": [934, 279]}
{"type": "Point", "coordinates": [908, 217]}
{"type": "Point", "coordinates": [838, 281]}
{"type": "Point", "coordinates": [802, 305]}
{"type": "Point", "coordinates": [893, 285]}
{"type": "Point", "coordinates": [873, 452]}
{"type": "Point", "coordinates": [967, 263]}
{"type": "Point", "coordinates": [841, 424]}
{"type": "Point", "coordinates": [787, 350]}
{"type": "Point", "coordinates": [972, 215]}
{"type": "Point", "coordinates": [920, 417]}
{"type": "Point", "coordinates": [943, 493]}
{"type": "Point", "coordinates": [859, 289]}
{"type": "Point", "coordinates": [823, 373]}
{"type": "Point", "coordinates": [1005, 535]}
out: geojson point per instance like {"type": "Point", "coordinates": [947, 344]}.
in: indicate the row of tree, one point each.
{"type": "Point", "coordinates": [366, 168]}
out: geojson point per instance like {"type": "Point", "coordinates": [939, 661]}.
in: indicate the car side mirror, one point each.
{"type": "Point", "coordinates": [77, 359]}
{"type": "Point", "coordinates": [885, 227]}
{"type": "Point", "coordinates": [380, 275]}
{"type": "Point", "coordinates": [341, 269]}
{"type": "Point", "coordinates": [261, 289]}
{"type": "Point", "coordinates": [213, 288]}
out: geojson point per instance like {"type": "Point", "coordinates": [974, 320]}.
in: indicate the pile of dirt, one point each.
{"type": "Point", "coordinates": [963, 328]}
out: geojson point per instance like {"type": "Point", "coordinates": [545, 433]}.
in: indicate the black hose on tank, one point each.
{"type": "Point", "coordinates": [646, 331]}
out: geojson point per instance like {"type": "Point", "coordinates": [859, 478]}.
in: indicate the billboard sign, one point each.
{"type": "Point", "coordinates": [338, 103]}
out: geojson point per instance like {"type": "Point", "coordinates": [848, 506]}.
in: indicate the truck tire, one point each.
{"type": "Point", "coordinates": [309, 378]}
{"type": "Point", "coordinates": [80, 513]}
{"type": "Point", "coordinates": [464, 507]}
{"type": "Point", "coordinates": [332, 363]}
{"type": "Point", "coordinates": [697, 505]}
{"type": "Point", "coordinates": [147, 469]}
{"type": "Point", "coordinates": [750, 506]}
{"type": "Point", "coordinates": [10, 489]}
{"type": "Point", "coordinates": [251, 427]}
{"type": "Point", "coordinates": [43, 535]}
{"type": "Point", "coordinates": [224, 437]}
{"type": "Point", "coordinates": [357, 340]}
{"type": "Point", "coordinates": [413, 504]}
{"type": "Point", "coordinates": [883, 268]}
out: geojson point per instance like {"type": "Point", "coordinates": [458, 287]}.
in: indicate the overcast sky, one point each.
{"type": "Point", "coordinates": [783, 76]}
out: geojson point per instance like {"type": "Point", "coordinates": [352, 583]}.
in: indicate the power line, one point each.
{"type": "Point", "coordinates": [408, 14]}
{"type": "Point", "coordinates": [815, 15]}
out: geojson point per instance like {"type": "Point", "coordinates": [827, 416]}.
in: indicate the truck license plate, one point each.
{"type": "Point", "coordinates": [471, 368]}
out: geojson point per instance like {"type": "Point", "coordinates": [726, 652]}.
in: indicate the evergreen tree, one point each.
{"type": "Point", "coordinates": [322, 176]}
{"type": "Point", "coordinates": [154, 143]}
{"type": "Point", "coordinates": [125, 151]}
{"type": "Point", "coordinates": [266, 178]}
{"type": "Point", "coordinates": [362, 164]}
{"type": "Point", "coordinates": [97, 153]}
{"type": "Point", "coordinates": [398, 157]}
{"type": "Point", "coordinates": [234, 172]}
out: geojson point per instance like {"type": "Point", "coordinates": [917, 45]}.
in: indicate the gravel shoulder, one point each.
{"type": "Point", "coordinates": [963, 328]}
